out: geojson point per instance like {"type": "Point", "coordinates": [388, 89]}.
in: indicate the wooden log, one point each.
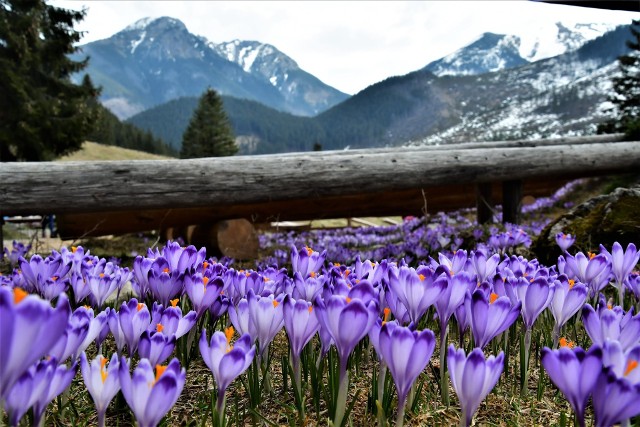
{"type": "Point", "coordinates": [235, 238]}
{"type": "Point", "coordinates": [162, 184]}
{"type": "Point", "coordinates": [391, 203]}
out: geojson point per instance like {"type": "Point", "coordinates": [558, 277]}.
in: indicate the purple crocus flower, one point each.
{"type": "Point", "coordinates": [240, 318]}
{"type": "Point", "coordinates": [568, 298]}
{"type": "Point", "coordinates": [347, 321]}
{"type": "Point", "coordinates": [484, 267]}
{"type": "Point", "coordinates": [416, 290]}
{"type": "Point", "coordinates": [306, 261]}
{"type": "Point", "coordinates": [535, 296]}
{"type": "Point", "coordinates": [491, 316]}
{"type": "Point", "coordinates": [592, 271]}
{"type": "Point", "coordinates": [226, 361]}
{"type": "Point", "coordinates": [164, 283]}
{"type": "Point", "coordinates": [75, 333]}
{"type": "Point", "coordinates": [406, 354]}
{"type": "Point", "coordinates": [611, 323]}
{"type": "Point", "coordinates": [202, 291]}
{"type": "Point", "coordinates": [59, 382]}
{"type": "Point", "coordinates": [309, 288]}
{"type": "Point", "coordinates": [575, 373]}
{"type": "Point", "coordinates": [45, 276]}
{"type": "Point", "coordinates": [134, 318]}
{"type": "Point", "coordinates": [615, 398]}
{"type": "Point", "coordinates": [140, 282]}
{"type": "Point", "coordinates": [622, 264]}
{"type": "Point", "coordinates": [102, 384]}
{"type": "Point", "coordinates": [622, 363]}
{"type": "Point", "coordinates": [18, 250]}
{"type": "Point", "coordinates": [452, 296]}
{"type": "Point", "coordinates": [170, 320]}
{"type": "Point", "coordinates": [456, 264]}
{"type": "Point", "coordinates": [473, 378]}
{"type": "Point", "coordinates": [29, 328]}
{"type": "Point", "coordinates": [113, 320]}
{"type": "Point", "coordinates": [28, 388]}
{"type": "Point", "coordinates": [267, 317]}
{"type": "Point", "coordinates": [301, 324]}
{"type": "Point", "coordinates": [156, 347]}
{"type": "Point", "coordinates": [565, 241]}
{"type": "Point", "coordinates": [151, 395]}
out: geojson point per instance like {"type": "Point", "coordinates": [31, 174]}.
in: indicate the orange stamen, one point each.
{"type": "Point", "coordinates": [348, 300]}
{"type": "Point", "coordinates": [103, 373]}
{"type": "Point", "coordinates": [631, 365]}
{"type": "Point", "coordinates": [101, 275]}
{"type": "Point", "coordinates": [159, 371]}
{"type": "Point", "coordinates": [165, 270]}
{"type": "Point", "coordinates": [571, 283]}
{"type": "Point", "coordinates": [74, 249]}
{"type": "Point", "coordinates": [275, 303]}
{"type": "Point", "coordinates": [309, 250]}
{"type": "Point", "coordinates": [421, 277]}
{"type": "Point", "coordinates": [140, 305]}
{"type": "Point", "coordinates": [174, 302]}
{"type": "Point", "coordinates": [310, 308]}
{"type": "Point", "coordinates": [228, 332]}
{"type": "Point", "coordinates": [493, 297]}
{"type": "Point", "coordinates": [159, 327]}
{"type": "Point", "coordinates": [312, 274]}
{"type": "Point", "coordinates": [205, 264]}
{"type": "Point", "coordinates": [54, 278]}
{"type": "Point", "coordinates": [565, 343]}
{"type": "Point", "coordinates": [347, 273]}
{"type": "Point", "coordinates": [205, 280]}
{"type": "Point", "coordinates": [387, 312]}
{"type": "Point", "coordinates": [336, 264]}
{"type": "Point", "coordinates": [87, 306]}
{"type": "Point", "coordinates": [18, 295]}
{"type": "Point", "coordinates": [591, 255]}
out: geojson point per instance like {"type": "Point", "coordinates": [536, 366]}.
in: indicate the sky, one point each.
{"type": "Point", "coordinates": [349, 45]}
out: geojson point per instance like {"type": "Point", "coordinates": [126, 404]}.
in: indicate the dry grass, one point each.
{"type": "Point", "coordinates": [92, 151]}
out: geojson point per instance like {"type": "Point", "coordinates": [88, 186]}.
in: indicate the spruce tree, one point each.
{"type": "Point", "coordinates": [209, 133]}
{"type": "Point", "coordinates": [626, 87]}
{"type": "Point", "coordinates": [42, 113]}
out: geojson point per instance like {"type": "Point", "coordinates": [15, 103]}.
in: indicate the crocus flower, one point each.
{"type": "Point", "coordinates": [615, 398]}
{"type": "Point", "coordinates": [151, 395]}
{"type": "Point", "coordinates": [452, 296]}
{"type": "Point", "coordinates": [240, 318]}
{"type": "Point", "coordinates": [301, 324]}
{"type": "Point", "coordinates": [59, 382]}
{"type": "Point", "coordinates": [170, 320]}
{"type": "Point", "coordinates": [226, 361]}
{"type": "Point", "coordinates": [622, 264]}
{"type": "Point", "coordinates": [406, 354]}
{"type": "Point", "coordinates": [202, 291]}
{"type": "Point", "coordinates": [306, 260]}
{"type": "Point", "coordinates": [491, 316]}
{"type": "Point", "coordinates": [45, 276]}
{"type": "Point", "coordinates": [164, 283]}
{"type": "Point", "coordinates": [29, 328]}
{"type": "Point", "coordinates": [267, 317]}
{"type": "Point", "coordinates": [417, 291]}
{"type": "Point", "coordinates": [611, 323]}
{"type": "Point", "coordinates": [565, 241]}
{"type": "Point", "coordinates": [568, 298]}
{"type": "Point", "coordinates": [592, 271]}
{"type": "Point", "coordinates": [28, 388]}
{"type": "Point", "coordinates": [74, 334]}
{"type": "Point", "coordinates": [575, 373]}
{"type": "Point", "coordinates": [534, 295]}
{"type": "Point", "coordinates": [102, 384]}
{"type": "Point", "coordinates": [456, 264]}
{"type": "Point", "coordinates": [309, 288]}
{"type": "Point", "coordinates": [134, 318]}
{"type": "Point", "coordinates": [484, 267]}
{"type": "Point", "coordinates": [156, 347]}
{"type": "Point", "coordinates": [473, 378]}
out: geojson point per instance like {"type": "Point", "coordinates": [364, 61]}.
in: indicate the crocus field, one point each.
{"type": "Point", "coordinates": [437, 321]}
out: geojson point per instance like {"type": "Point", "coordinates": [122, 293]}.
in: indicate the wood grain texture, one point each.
{"type": "Point", "coordinates": [40, 188]}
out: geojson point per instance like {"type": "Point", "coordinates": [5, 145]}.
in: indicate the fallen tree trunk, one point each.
{"type": "Point", "coordinates": [74, 187]}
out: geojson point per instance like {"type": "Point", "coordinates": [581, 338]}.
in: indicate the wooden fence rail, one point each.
{"type": "Point", "coordinates": [299, 185]}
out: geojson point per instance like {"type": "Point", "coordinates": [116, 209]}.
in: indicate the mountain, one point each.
{"type": "Point", "coordinates": [156, 60]}
{"type": "Point", "coordinates": [557, 96]}
{"type": "Point", "coordinates": [494, 52]}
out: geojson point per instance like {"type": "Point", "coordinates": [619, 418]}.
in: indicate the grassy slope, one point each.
{"type": "Point", "coordinates": [93, 151]}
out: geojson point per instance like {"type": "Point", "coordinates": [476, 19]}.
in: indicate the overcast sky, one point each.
{"type": "Point", "coordinates": [348, 45]}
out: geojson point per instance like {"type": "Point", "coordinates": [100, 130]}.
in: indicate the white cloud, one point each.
{"type": "Point", "coordinates": [347, 44]}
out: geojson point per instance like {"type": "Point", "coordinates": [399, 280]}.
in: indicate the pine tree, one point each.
{"type": "Point", "coordinates": [209, 133]}
{"type": "Point", "coordinates": [42, 113]}
{"type": "Point", "coordinates": [626, 87]}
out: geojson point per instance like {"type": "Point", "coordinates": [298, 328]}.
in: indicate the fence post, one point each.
{"type": "Point", "coordinates": [484, 202]}
{"type": "Point", "coordinates": [511, 199]}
